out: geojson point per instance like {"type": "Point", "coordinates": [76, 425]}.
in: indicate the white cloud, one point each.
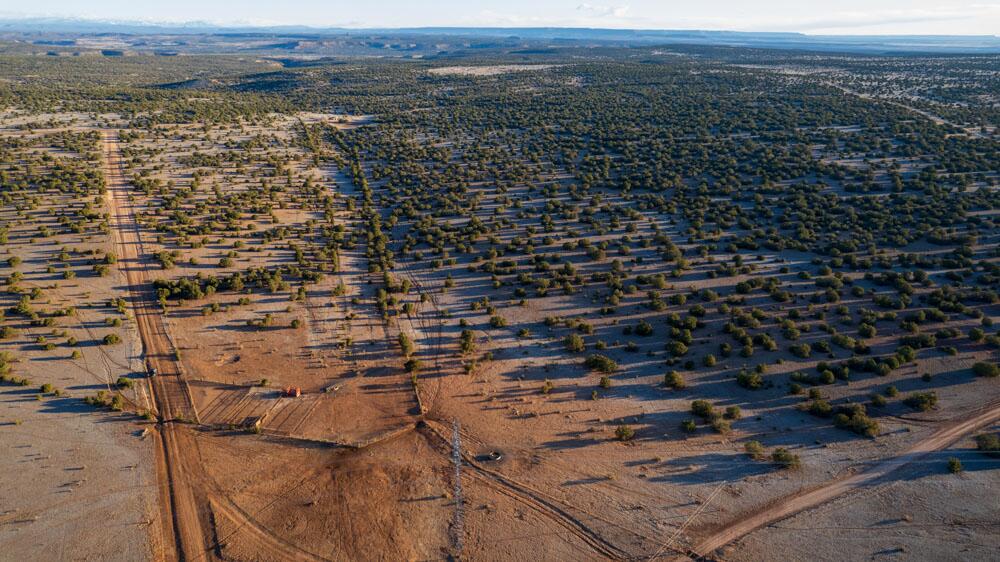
{"type": "Point", "coordinates": [809, 16]}
{"type": "Point", "coordinates": [603, 11]}
{"type": "Point", "coordinates": [954, 18]}
{"type": "Point", "coordinates": [875, 18]}
{"type": "Point", "coordinates": [585, 15]}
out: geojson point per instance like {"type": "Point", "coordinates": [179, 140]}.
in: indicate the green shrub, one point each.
{"type": "Point", "coordinates": [677, 348]}
{"type": "Point", "coordinates": [702, 409]}
{"type": "Point", "coordinates": [802, 350]}
{"type": "Point", "coordinates": [467, 342]}
{"type": "Point", "coordinates": [922, 401]}
{"type": "Point", "coordinates": [755, 450]}
{"type": "Point", "coordinates": [405, 344]}
{"type": "Point", "coordinates": [624, 433]}
{"type": "Point", "coordinates": [785, 458]}
{"type": "Point", "coordinates": [820, 408]}
{"type": "Point", "coordinates": [855, 419]}
{"type": "Point", "coordinates": [674, 380]}
{"type": "Point", "coordinates": [721, 425]}
{"type": "Point", "coordinates": [574, 343]}
{"type": "Point", "coordinates": [750, 379]}
{"type": "Point", "coordinates": [601, 363]}
{"type": "Point", "coordinates": [989, 443]}
{"type": "Point", "coordinates": [986, 370]}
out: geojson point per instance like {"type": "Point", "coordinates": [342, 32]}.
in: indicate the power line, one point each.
{"type": "Point", "coordinates": [680, 529]}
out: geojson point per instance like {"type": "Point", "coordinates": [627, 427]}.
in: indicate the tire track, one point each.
{"type": "Point", "coordinates": [536, 501]}
{"type": "Point", "coordinates": [183, 529]}
{"type": "Point", "coordinates": [819, 495]}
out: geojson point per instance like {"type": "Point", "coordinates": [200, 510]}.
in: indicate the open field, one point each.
{"type": "Point", "coordinates": [68, 471]}
{"type": "Point", "coordinates": [612, 305]}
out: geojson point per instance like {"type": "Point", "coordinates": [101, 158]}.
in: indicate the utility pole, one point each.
{"type": "Point", "coordinates": [457, 523]}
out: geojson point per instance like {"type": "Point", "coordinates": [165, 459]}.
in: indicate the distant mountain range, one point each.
{"type": "Point", "coordinates": [943, 44]}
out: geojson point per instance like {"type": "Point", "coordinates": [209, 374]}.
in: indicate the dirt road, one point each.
{"type": "Point", "coordinates": [183, 536]}
{"type": "Point", "coordinates": [795, 503]}
{"type": "Point", "coordinates": [936, 119]}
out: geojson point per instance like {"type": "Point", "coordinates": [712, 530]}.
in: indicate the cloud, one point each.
{"type": "Point", "coordinates": [848, 21]}
{"type": "Point", "coordinates": [603, 11]}
{"type": "Point", "coordinates": [948, 17]}
{"type": "Point", "coordinates": [838, 17]}
{"type": "Point", "coordinates": [960, 18]}
{"type": "Point", "coordinates": [585, 15]}
{"type": "Point", "coordinates": [492, 18]}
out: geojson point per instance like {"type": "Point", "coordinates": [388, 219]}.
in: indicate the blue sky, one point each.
{"type": "Point", "coordinates": [980, 17]}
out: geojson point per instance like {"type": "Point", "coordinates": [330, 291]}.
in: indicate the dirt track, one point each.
{"type": "Point", "coordinates": [187, 504]}
{"type": "Point", "coordinates": [535, 500]}
{"type": "Point", "coordinates": [199, 518]}
{"type": "Point", "coordinates": [183, 536]}
{"type": "Point", "coordinates": [796, 503]}
{"type": "Point", "coordinates": [936, 119]}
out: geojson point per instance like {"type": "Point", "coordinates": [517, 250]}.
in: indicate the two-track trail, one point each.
{"type": "Point", "coordinates": [554, 510]}
{"type": "Point", "coordinates": [796, 503]}
{"type": "Point", "coordinates": [182, 525]}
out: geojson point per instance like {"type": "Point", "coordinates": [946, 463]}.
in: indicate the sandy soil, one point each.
{"type": "Point", "coordinates": [879, 473]}
{"type": "Point", "coordinates": [362, 462]}
{"type": "Point", "coordinates": [181, 509]}
{"type": "Point", "coordinates": [77, 482]}
{"type": "Point", "coordinates": [357, 400]}
{"type": "Point", "coordinates": [922, 513]}
{"type": "Point", "coordinates": [337, 503]}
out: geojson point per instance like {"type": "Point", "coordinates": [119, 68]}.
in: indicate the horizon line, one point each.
{"type": "Point", "coordinates": [195, 24]}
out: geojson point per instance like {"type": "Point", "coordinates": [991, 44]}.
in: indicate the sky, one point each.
{"type": "Point", "coordinates": [859, 17]}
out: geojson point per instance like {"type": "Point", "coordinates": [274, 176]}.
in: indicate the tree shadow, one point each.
{"type": "Point", "coordinates": [710, 468]}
